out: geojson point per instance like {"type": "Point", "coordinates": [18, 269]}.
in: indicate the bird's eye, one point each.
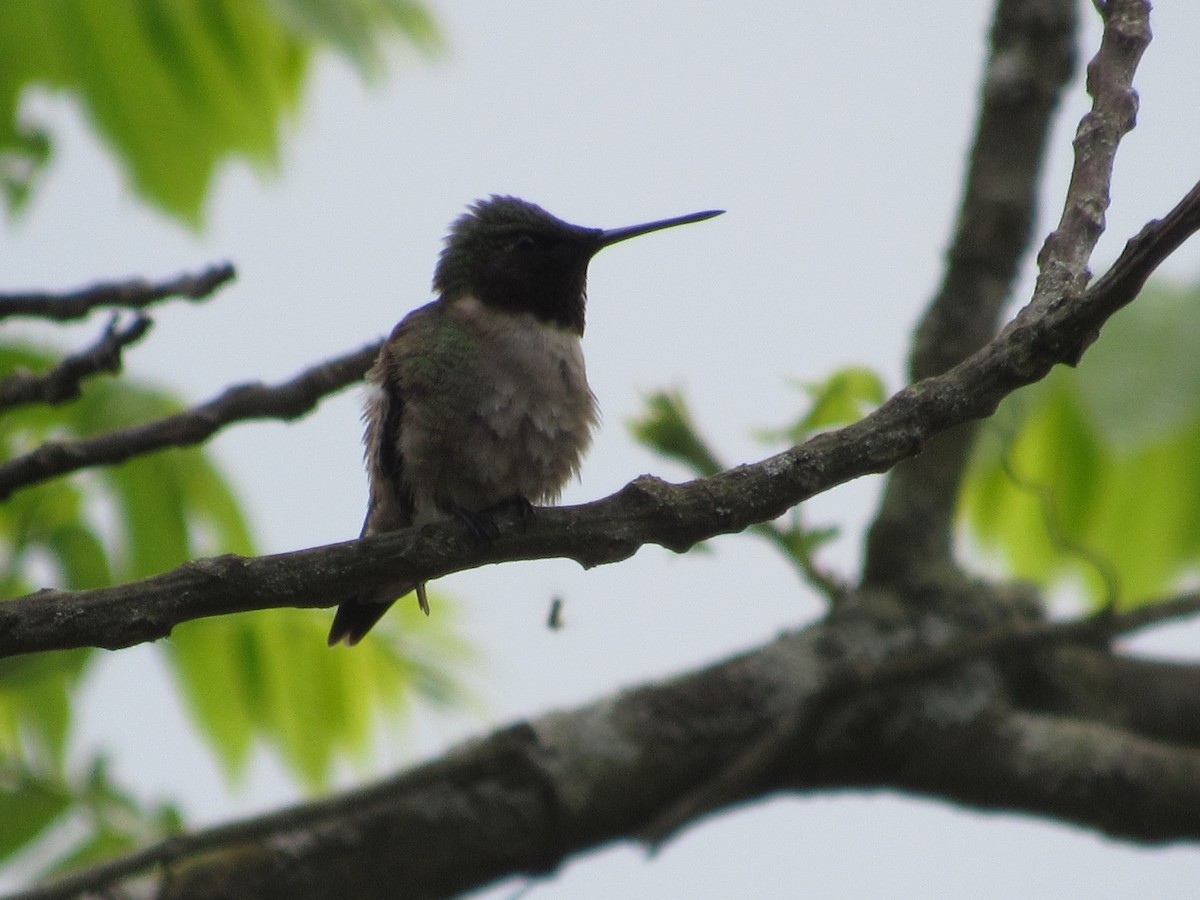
{"type": "Point", "coordinates": [523, 243]}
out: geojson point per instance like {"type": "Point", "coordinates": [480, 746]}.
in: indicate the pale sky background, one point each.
{"type": "Point", "coordinates": [836, 142]}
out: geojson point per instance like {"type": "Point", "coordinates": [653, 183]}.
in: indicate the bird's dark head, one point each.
{"type": "Point", "coordinates": [515, 256]}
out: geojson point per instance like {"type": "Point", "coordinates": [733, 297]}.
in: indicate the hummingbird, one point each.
{"type": "Point", "coordinates": [479, 400]}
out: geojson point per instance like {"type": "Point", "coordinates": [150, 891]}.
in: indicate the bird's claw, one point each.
{"type": "Point", "coordinates": [518, 506]}
{"type": "Point", "coordinates": [482, 528]}
{"type": "Point", "coordinates": [482, 525]}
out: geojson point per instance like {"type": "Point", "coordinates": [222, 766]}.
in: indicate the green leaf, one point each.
{"type": "Point", "coordinates": [47, 717]}
{"type": "Point", "coordinates": [800, 544]}
{"type": "Point", "coordinates": [174, 87]}
{"type": "Point", "coordinates": [1140, 382]}
{"type": "Point", "coordinates": [844, 397]}
{"type": "Point", "coordinates": [35, 705]}
{"type": "Point", "coordinates": [24, 155]}
{"type": "Point", "coordinates": [81, 556]}
{"type": "Point", "coordinates": [214, 666]}
{"type": "Point", "coordinates": [356, 28]}
{"type": "Point", "coordinates": [34, 804]}
{"type": "Point", "coordinates": [218, 525]}
{"type": "Point", "coordinates": [270, 675]}
{"type": "Point", "coordinates": [154, 512]}
{"type": "Point", "coordinates": [304, 718]}
{"type": "Point", "coordinates": [667, 428]}
{"type": "Point", "coordinates": [95, 847]}
{"type": "Point", "coordinates": [27, 809]}
{"type": "Point", "coordinates": [114, 820]}
{"type": "Point", "coordinates": [1097, 469]}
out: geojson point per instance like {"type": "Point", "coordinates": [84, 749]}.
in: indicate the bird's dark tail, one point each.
{"type": "Point", "coordinates": [355, 618]}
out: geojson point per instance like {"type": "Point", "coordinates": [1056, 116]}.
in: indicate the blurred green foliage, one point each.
{"type": "Point", "coordinates": [1101, 464]}
{"type": "Point", "coordinates": [176, 86]}
{"type": "Point", "coordinates": [108, 819]}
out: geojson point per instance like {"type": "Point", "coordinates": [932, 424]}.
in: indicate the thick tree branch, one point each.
{"type": "Point", "coordinates": [63, 382]}
{"type": "Point", "coordinates": [1154, 698]}
{"type": "Point", "coordinates": [531, 794]}
{"type": "Point", "coordinates": [1072, 770]}
{"type": "Point", "coordinates": [1161, 699]}
{"type": "Point", "coordinates": [1049, 331]}
{"type": "Point", "coordinates": [772, 750]}
{"type": "Point", "coordinates": [240, 403]}
{"type": "Point", "coordinates": [135, 294]}
{"type": "Point", "coordinates": [912, 536]}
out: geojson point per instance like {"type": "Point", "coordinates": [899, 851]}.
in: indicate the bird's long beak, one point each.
{"type": "Point", "coordinates": [615, 235]}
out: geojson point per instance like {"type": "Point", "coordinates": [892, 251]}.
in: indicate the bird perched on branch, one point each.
{"type": "Point", "coordinates": [480, 399]}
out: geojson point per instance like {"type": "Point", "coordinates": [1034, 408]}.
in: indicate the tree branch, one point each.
{"type": "Point", "coordinates": [526, 797]}
{"type": "Point", "coordinates": [1031, 62]}
{"type": "Point", "coordinates": [1064, 256]}
{"type": "Point", "coordinates": [912, 536]}
{"type": "Point", "coordinates": [240, 403]}
{"type": "Point", "coordinates": [645, 511]}
{"type": "Point", "coordinates": [63, 382]}
{"type": "Point", "coordinates": [1073, 770]}
{"type": "Point", "coordinates": [135, 294]}
{"type": "Point", "coordinates": [773, 749]}
{"type": "Point", "coordinates": [1156, 699]}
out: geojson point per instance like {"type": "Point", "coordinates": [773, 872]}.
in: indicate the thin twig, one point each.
{"type": "Point", "coordinates": [240, 403]}
{"type": "Point", "coordinates": [64, 381]}
{"type": "Point", "coordinates": [135, 294]}
{"type": "Point", "coordinates": [1064, 256]}
{"type": "Point", "coordinates": [1032, 59]}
